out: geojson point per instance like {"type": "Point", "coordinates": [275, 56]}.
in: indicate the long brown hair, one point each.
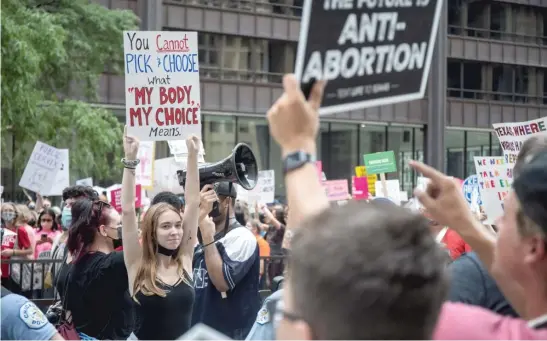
{"type": "Point", "coordinates": [145, 281]}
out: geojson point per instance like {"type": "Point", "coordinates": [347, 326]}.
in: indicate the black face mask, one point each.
{"type": "Point", "coordinates": [167, 252]}
{"type": "Point", "coordinates": [117, 242]}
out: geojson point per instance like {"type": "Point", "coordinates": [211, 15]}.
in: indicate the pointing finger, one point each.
{"type": "Point", "coordinates": [427, 171]}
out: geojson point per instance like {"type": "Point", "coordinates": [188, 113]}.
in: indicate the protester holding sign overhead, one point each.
{"type": "Point", "coordinates": [160, 271]}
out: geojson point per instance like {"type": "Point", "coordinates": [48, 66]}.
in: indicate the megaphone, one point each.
{"type": "Point", "coordinates": [239, 167]}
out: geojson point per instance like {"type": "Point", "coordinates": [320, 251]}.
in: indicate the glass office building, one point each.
{"type": "Point", "coordinates": [496, 63]}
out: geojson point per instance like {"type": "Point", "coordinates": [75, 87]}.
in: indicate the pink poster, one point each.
{"type": "Point", "coordinates": [336, 189]}
{"type": "Point", "coordinates": [116, 198]}
{"type": "Point", "coordinates": [360, 187]}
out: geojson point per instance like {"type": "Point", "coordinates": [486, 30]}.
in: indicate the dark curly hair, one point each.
{"type": "Point", "coordinates": [80, 192]}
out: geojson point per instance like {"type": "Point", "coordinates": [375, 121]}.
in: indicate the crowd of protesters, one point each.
{"type": "Point", "coordinates": [364, 270]}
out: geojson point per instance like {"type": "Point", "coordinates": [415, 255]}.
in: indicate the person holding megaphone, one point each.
{"type": "Point", "coordinates": [160, 272]}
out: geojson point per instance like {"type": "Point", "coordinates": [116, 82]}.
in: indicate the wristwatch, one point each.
{"type": "Point", "coordinates": [296, 160]}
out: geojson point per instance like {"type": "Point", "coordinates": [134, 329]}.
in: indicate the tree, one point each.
{"type": "Point", "coordinates": [53, 53]}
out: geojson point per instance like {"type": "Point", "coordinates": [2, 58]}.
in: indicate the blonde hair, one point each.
{"type": "Point", "coordinates": [24, 215]}
{"type": "Point", "coordinates": [145, 280]}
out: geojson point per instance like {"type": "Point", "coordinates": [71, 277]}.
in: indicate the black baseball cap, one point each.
{"type": "Point", "coordinates": [226, 189]}
{"type": "Point", "coordinates": [531, 189]}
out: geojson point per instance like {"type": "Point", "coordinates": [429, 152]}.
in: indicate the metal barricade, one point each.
{"type": "Point", "coordinates": [30, 276]}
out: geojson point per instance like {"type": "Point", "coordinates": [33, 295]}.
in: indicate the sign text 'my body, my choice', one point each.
{"type": "Point", "coordinates": [164, 98]}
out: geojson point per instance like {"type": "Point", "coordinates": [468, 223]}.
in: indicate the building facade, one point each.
{"type": "Point", "coordinates": [492, 67]}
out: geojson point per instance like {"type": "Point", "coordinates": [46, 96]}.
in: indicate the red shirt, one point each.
{"type": "Point", "coordinates": [459, 321]}
{"type": "Point", "coordinates": [455, 244]}
{"type": "Point", "coordinates": [9, 240]}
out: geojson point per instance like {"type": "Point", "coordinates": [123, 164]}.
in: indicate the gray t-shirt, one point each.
{"type": "Point", "coordinates": [472, 284]}
{"type": "Point", "coordinates": [23, 320]}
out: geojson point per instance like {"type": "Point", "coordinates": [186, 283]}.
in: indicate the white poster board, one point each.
{"type": "Point", "coordinates": [62, 179]}
{"type": "Point", "coordinates": [144, 175]}
{"type": "Point", "coordinates": [264, 191]}
{"type": "Point", "coordinates": [162, 85]}
{"type": "Point", "coordinates": [512, 135]}
{"type": "Point", "coordinates": [85, 182]}
{"type": "Point", "coordinates": [393, 190]}
{"type": "Point", "coordinates": [495, 176]}
{"type": "Point", "coordinates": [42, 168]}
{"type": "Point", "coordinates": [165, 176]}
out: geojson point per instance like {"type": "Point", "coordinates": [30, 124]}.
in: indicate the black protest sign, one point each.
{"type": "Point", "coordinates": [370, 52]}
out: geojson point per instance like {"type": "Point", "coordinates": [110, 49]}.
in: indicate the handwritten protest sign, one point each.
{"type": "Point", "coordinates": [62, 179]}
{"type": "Point", "coordinates": [115, 195]}
{"type": "Point", "coordinates": [42, 168]}
{"type": "Point", "coordinates": [359, 188]}
{"type": "Point", "coordinates": [513, 135]}
{"type": "Point", "coordinates": [495, 176]}
{"type": "Point", "coordinates": [336, 189]}
{"type": "Point", "coordinates": [145, 170]}
{"type": "Point", "coordinates": [162, 85]}
{"type": "Point", "coordinates": [264, 191]}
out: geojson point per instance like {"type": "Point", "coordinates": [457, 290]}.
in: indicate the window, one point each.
{"type": "Point", "coordinates": [342, 151]}
{"type": "Point", "coordinates": [418, 148]}
{"type": "Point", "coordinates": [498, 20]}
{"type": "Point", "coordinates": [400, 141]}
{"type": "Point", "coordinates": [496, 146]}
{"type": "Point", "coordinates": [209, 46]}
{"type": "Point", "coordinates": [322, 138]}
{"type": "Point", "coordinates": [521, 83]}
{"type": "Point", "coordinates": [454, 78]}
{"type": "Point", "coordinates": [472, 79]}
{"type": "Point", "coordinates": [477, 17]}
{"type": "Point", "coordinates": [455, 17]}
{"type": "Point", "coordinates": [478, 144]}
{"type": "Point", "coordinates": [372, 139]}
{"type": "Point", "coordinates": [236, 57]}
{"type": "Point", "coordinates": [217, 140]}
{"type": "Point", "coordinates": [454, 144]}
{"type": "Point", "coordinates": [502, 82]}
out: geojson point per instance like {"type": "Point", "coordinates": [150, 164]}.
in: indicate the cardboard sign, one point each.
{"type": "Point", "coordinates": [495, 176]}
{"type": "Point", "coordinates": [370, 53]}
{"type": "Point", "coordinates": [393, 191]}
{"type": "Point", "coordinates": [361, 171]}
{"type": "Point", "coordinates": [359, 188]}
{"type": "Point", "coordinates": [264, 191]}
{"type": "Point", "coordinates": [62, 179]}
{"type": "Point", "coordinates": [378, 163]}
{"type": "Point", "coordinates": [85, 182]}
{"type": "Point", "coordinates": [116, 197]}
{"type": "Point", "coordinates": [42, 168]}
{"type": "Point", "coordinates": [336, 189]}
{"type": "Point", "coordinates": [513, 135]}
{"type": "Point", "coordinates": [162, 85]}
{"type": "Point", "coordinates": [471, 190]}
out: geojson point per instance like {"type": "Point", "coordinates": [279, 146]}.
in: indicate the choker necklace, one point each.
{"type": "Point", "coordinates": [167, 252]}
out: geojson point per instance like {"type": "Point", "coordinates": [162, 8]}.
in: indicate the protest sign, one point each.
{"type": "Point", "coordinates": [42, 168]}
{"type": "Point", "coordinates": [495, 176]}
{"type": "Point", "coordinates": [380, 163]}
{"type": "Point", "coordinates": [471, 190]}
{"type": "Point", "coordinates": [62, 179]}
{"type": "Point", "coordinates": [359, 188]}
{"type": "Point", "coordinates": [512, 135]}
{"type": "Point", "coordinates": [392, 188]}
{"type": "Point", "coordinates": [162, 85]}
{"type": "Point", "coordinates": [85, 182]}
{"type": "Point", "coordinates": [165, 176]}
{"type": "Point", "coordinates": [371, 53]}
{"type": "Point", "coordinates": [116, 197]}
{"type": "Point", "coordinates": [145, 170]}
{"type": "Point", "coordinates": [336, 189]}
{"type": "Point", "coordinates": [264, 191]}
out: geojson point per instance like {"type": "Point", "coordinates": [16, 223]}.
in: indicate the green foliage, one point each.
{"type": "Point", "coordinates": [53, 53]}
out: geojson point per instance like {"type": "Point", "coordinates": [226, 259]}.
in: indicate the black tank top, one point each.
{"type": "Point", "coordinates": [165, 318]}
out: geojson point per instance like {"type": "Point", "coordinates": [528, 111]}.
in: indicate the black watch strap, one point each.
{"type": "Point", "coordinates": [296, 160]}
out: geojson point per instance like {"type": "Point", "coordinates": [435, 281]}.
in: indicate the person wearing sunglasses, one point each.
{"type": "Point", "coordinates": [93, 285]}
